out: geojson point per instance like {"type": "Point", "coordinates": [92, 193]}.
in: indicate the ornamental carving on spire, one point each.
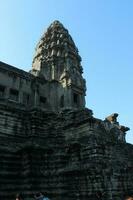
{"type": "Point", "coordinates": [56, 46]}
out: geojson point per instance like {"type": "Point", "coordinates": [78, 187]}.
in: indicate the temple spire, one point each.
{"type": "Point", "coordinates": [56, 46]}
{"type": "Point", "coordinates": [57, 58]}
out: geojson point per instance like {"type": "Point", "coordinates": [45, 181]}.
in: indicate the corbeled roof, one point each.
{"type": "Point", "coordinates": [56, 43]}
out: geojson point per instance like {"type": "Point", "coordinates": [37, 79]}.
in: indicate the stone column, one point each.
{"type": "Point", "coordinates": [20, 98]}
{"type": "Point", "coordinates": [36, 96]}
{"type": "Point", "coordinates": [7, 90]}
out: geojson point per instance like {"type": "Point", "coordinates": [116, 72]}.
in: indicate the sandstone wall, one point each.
{"type": "Point", "coordinates": [70, 155]}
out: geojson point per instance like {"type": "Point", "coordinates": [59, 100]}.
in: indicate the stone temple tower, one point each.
{"type": "Point", "coordinates": [58, 62]}
{"type": "Point", "coordinates": [49, 140]}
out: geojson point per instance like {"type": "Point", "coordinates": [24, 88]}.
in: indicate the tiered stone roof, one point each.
{"type": "Point", "coordinates": [57, 44]}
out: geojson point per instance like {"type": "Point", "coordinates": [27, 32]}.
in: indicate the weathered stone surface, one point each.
{"type": "Point", "coordinates": [49, 141]}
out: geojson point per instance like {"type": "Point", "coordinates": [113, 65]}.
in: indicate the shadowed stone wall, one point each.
{"type": "Point", "coordinates": [70, 155]}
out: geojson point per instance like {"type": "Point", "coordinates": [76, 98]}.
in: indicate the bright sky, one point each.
{"type": "Point", "coordinates": [103, 33]}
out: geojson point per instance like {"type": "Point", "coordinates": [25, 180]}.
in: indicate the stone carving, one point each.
{"type": "Point", "coordinates": [112, 123]}
{"type": "Point", "coordinates": [57, 59]}
{"type": "Point", "coordinates": [112, 118]}
{"type": "Point", "coordinates": [49, 141]}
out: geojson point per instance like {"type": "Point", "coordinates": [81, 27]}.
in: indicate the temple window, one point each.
{"type": "Point", "coordinates": [14, 94]}
{"type": "Point", "coordinates": [43, 101]}
{"type": "Point", "coordinates": [75, 98]}
{"type": "Point", "coordinates": [2, 91]}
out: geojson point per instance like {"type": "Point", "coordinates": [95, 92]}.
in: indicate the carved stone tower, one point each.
{"type": "Point", "coordinates": [58, 62]}
{"type": "Point", "coordinates": [71, 155]}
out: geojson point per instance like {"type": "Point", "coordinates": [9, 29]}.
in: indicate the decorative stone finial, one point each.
{"type": "Point", "coordinates": [112, 118]}
{"type": "Point", "coordinates": [124, 128]}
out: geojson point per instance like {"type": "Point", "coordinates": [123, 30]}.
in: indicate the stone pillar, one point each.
{"type": "Point", "coordinates": [53, 72]}
{"type": "Point", "coordinates": [20, 98]}
{"type": "Point", "coordinates": [7, 90]}
{"type": "Point", "coordinates": [36, 97]}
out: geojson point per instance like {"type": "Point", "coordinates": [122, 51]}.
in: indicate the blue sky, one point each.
{"type": "Point", "coordinates": [103, 33]}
